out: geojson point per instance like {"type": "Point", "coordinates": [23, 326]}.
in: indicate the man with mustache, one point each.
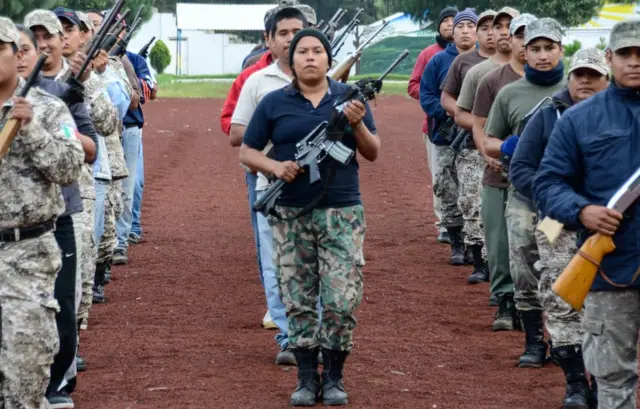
{"type": "Point", "coordinates": [446, 187]}
{"type": "Point", "coordinates": [468, 161]}
{"type": "Point", "coordinates": [588, 75]}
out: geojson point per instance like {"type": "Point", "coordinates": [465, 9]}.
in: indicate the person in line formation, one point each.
{"type": "Point", "coordinates": [60, 201]}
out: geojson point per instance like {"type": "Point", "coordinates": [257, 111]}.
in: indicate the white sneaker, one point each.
{"type": "Point", "coordinates": [267, 322]}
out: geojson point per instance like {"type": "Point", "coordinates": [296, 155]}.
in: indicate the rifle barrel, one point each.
{"type": "Point", "coordinates": [372, 36]}
{"type": "Point", "coordinates": [394, 64]}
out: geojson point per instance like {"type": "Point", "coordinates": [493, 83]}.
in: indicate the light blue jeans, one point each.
{"type": "Point", "coordinates": [98, 214]}
{"type": "Point", "coordinates": [251, 188]}
{"type": "Point", "coordinates": [137, 194]}
{"type": "Point", "coordinates": [131, 146]}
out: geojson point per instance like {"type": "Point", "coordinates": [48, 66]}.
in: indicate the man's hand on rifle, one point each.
{"type": "Point", "coordinates": [22, 111]}
{"type": "Point", "coordinates": [100, 62]}
{"type": "Point", "coordinates": [354, 111]}
{"type": "Point", "coordinates": [75, 64]}
{"type": "Point", "coordinates": [493, 163]}
{"type": "Point", "coordinates": [287, 170]}
{"type": "Point", "coordinates": [600, 219]}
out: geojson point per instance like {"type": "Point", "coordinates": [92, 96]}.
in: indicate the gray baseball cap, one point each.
{"type": "Point", "coordinates": [8, 32]}
{"type": "Point", "coordinates": [591, 58]}
{"type": "Point", "coordinates": [308, 12]}
{"type": "Point", "coordinates": [44, 18]}
{"type": "Point", "coordinates": [523, 20]}
{"type": "Point", "coordinates": [506, 11]}
{"type": "Point", "coordinates": [85, 20]}
{"type": "Point", "coordinates": [543, 28]}
{"type": "Point", "coordinates": [625, 34]}
{"type": "Point", "coordinates": [487, 14]}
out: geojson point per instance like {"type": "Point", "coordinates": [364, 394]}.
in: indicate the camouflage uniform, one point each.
{"type": "Point", "coordinates": [563, 322]}
{"type": "Point", "coordinates": [470, 166]}
{"type": "Point", "coordinates": [446, 187]}
{"type": "Point", "coordinates": [44, 155]}
{"type": "Point", "coordinates": [113, 208]}
{"type": "Point", "coordinates": [320, 253]}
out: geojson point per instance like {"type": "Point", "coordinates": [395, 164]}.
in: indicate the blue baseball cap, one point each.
{"type": "Point", "coordinates": [67, 14]}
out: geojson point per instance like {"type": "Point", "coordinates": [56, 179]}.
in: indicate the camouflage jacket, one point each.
{"type": "Point", "coordinates": [45, 154]}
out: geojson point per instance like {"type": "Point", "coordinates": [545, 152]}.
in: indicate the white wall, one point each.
{"type": "Point", "coordinates": [587, 37]}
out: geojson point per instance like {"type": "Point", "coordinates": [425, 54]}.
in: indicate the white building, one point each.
{"type": "Point", "coordinates": [590, 33]}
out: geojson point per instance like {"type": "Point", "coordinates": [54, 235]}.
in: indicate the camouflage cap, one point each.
{"type": "Point", "coordinates": [309, 13]}
{"type": "Point", "coordinates": [543, 28]}
{"type": "Point", "coordinates": [506, 11]}
{"type": "Point", "coordinates": [85, 21]}
{"type": "Point", "coordinates": [487, 14]}
{"type": "Point", "coordinates": [592, 58]}
{"type": "Point", "coordinates": [8, 32]}
{"type": "Point", "coordinates": [523, 20]}
{"type": "Point", "coordinates": [625, 34]}
{"type": "Point", "coordinates": [44, 18]}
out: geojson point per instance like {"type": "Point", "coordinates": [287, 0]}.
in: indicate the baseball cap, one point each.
{"type": "Point", "coordinates": [8, 32]}
{"type": "Point", "coordinates": [543, 28]}
{"type": "Point", "coordinates": [523, 20]}
{"type": "Point", "coordinates": [309, 13]}
{"type": "Point", "coordinates": [67, 14]}
{"type": "Point", "coordinates": [506, 11]}
{"type": "Point", "coordinates": [625, 34]}
{"type": "Point", "coordinates": [591, 58]}
{"type": "Point", "coordinates": [487, 14]}
{"type": "Point", "coordinates": [44, 18]}
{"type": "Point", "coordinates": [85, 22]}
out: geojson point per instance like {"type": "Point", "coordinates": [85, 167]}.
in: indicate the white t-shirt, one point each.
{"type": "Point", "coordinates": [259, 84]}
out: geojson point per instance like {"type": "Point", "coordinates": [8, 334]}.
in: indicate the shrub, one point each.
{"type": "Point", "coordinates": [603, 44]}
{"type": "Point", "coordinates": [160, 56]}
{"type": "Point", "coordinates": [571, 49]}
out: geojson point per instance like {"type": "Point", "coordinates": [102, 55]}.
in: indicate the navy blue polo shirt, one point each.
{"type": "Point", "coordinates": [285, 117]}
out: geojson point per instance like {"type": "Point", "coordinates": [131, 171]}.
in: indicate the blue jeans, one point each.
{"type": "Point", "coordinates": [98, 214]}
{"type": "Point", "coordinates": [131, 146]}
{"type": "Point", "coordinates": [251, 187]}
{"type": "Point", "coordinates": [270, 281]}
{"type": "Point", "coordinates": [137, 194]}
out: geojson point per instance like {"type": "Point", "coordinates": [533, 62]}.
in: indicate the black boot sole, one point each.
{"type": "Point", "coordinates": [335, 402]}
{"type": "Point", "coordinates": [302, 403]}
{"type": "Point", "coordinates": [529, 365]}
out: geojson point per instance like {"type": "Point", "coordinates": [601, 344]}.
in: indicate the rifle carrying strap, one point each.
{"type": "Point", "coordinates": [604, 276]}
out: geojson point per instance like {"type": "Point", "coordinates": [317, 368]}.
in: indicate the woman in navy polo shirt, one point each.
{"type": "Point", "coordinates": [320, 253]}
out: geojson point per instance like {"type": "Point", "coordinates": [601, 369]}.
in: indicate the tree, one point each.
{"type": "Point", "coordinates": [160, 56]}
{"type": "Point", "coordinates": [17, 9]}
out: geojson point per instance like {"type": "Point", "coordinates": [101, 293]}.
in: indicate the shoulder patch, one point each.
{"type": "Point", "coordinates": [69, 130]}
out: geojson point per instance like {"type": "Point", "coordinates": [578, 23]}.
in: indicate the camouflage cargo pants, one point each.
{"type": "Point", "coordinates": [446, 187]}
{"type": "Point", "coordinates": [320, 253]}
{"type": "Point", "coordinates": [470, 167]}
{"type": "Point", "coordinates": [610, 348]}
{"type": "Point", "coordinates": [88, 256]}
{"type": "Point", "coordinates": [29, 336]}
{"type": "Point", "coordinates": [523, 252]}
{"type": "Point", "coordinates": [112, 210]}
{"type": "Point", "coordinates": [562, 321]}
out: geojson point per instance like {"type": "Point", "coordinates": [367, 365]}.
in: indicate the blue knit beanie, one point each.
{"type": "Point", "coordinates": [466, 14]}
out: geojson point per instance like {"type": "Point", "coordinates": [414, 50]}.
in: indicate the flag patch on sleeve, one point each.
{"type": "Point", "coordinates": [69, 131]}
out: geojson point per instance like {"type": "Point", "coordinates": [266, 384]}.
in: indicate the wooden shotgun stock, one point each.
{"type": "Point", "coordinates": [576, 280]}
{"type": "Point", "coordinates": [12, 126]}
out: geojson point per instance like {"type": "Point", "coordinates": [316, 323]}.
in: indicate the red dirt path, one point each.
{"type": "Point", "coordinates": [182, 326]}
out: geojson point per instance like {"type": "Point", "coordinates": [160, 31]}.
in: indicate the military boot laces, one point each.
{"type": "Point", "coordinates": [307, 391]}
{"type": "Point", "coordinates": [535, 350]}
{"type": "Point", "coordinates": [480, 272]}
{"type": "Point", "coordinates": [333, 393]}
{"type": "Point", "coordinates": [457, 246]}
{"type": "Point", "coordinates": [577, 391]}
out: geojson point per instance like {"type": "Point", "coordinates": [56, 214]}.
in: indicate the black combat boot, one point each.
{"type": "Point", "coordinates": [480, 267]}
{"type": "Point", "coordinates": [333, 393]}
{"type": "Point", "coordinates": [593, 396]}
{"type": "Point", "coordinates": [98, 284]}
{"type": "Point", "coordinates": [535, 349]}
{"type": "Point", "coordinates": [307, 392]}
{"type": "Point", "coordinates": [570, 360]}
{"type": "Point", "coordinates": [81, 365]}
{"type": "Point", "coordinates": [505, 317]}
{"type": "Point", "coordinates": [107, 272]}
{"type": "Point", "coordinates": [457, 246]}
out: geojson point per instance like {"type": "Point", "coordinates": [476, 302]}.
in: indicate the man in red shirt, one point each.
{"type": "Point", "coordinates": [444, 37]}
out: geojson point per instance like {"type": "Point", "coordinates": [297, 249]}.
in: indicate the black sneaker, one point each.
{"type": "Point", "coordinates": [119, 257]}
{"type": "Point", "coordinates": [443, 238]}
{"type": "Point", "coordinates": [81, 364]}
{"type": "Point", "coordinates": [60, 400]}
{"type": "Point", "coordinates": [134, 238]}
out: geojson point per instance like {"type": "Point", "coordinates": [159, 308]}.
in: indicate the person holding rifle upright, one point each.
{"type": "Point", "coordinates": [443, 38]}
{"type": "Point", "coordinates": [319, 253]}
{"type": "Point", "coordinates": [592, 152]}
{"type": "Point", "coordinates": [45, 154]}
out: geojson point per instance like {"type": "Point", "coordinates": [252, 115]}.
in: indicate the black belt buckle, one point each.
{"type": "Point", "coordinates": [19, 234]}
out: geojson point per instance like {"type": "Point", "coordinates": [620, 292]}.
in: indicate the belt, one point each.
{"type": "Point", "coordinates": [24, 233]}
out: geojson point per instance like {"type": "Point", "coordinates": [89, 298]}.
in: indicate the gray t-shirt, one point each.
{"type": "Point", "coordinates": [471, 82]}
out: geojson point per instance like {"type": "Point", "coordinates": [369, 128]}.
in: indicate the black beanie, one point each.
{"type": "Point", "coordinates": [306, 33]}
{"type": "Point", "coordinates": [444, 13]}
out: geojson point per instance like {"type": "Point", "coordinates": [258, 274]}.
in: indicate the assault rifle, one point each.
{"type": "Point", "coordinates": [338, 42]}
{"type": "Point", "coordinates": [341, 71]}
{"type": "Point", "coordinates": [144, 51]}
{"type": "Point", "coordinates": [333, 23]}
{"type": "Point", "coordinates": [461, 141]}
{"type": "Point", "coordinates": [12, 126]}
{"type": "Point", "coordinates": [320, 143]}
{"type": "Point", "coordinates": [121, 46]}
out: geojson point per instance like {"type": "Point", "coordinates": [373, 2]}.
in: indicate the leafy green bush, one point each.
{"type": "Point", "coordinates": [571, 49]}
{"type": "Point", "coordinates": [603, 44]}
{"type": "Point", "coordinates": [160, 56]}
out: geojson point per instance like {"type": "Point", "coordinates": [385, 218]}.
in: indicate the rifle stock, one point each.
{"type": "Point", "coordinates": [12, 126]}
{"type": "Point", "coordinates": [577, 278]}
